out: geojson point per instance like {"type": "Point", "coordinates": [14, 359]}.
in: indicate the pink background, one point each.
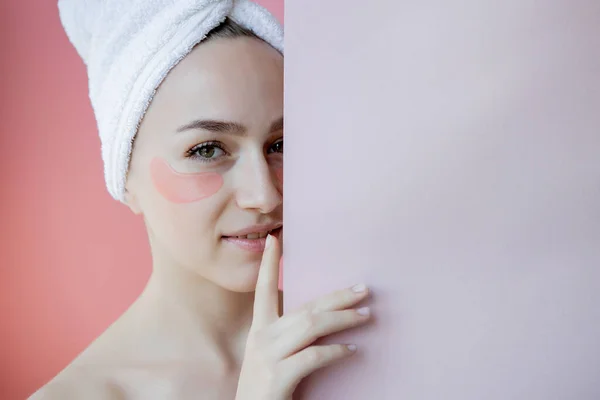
{"type": "Point", "coordinates": [71, 258]}
{"type": "Point", "coordinates": [448, 154]}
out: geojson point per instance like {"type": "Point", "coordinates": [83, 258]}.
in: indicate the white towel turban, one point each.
{"type": "Point", "coordinates": [129, 46]}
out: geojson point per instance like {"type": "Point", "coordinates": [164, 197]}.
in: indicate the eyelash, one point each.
{"type": "Point", "coordinates": [193, 152]}
{"type": "Point", "coordinates": [276, 142]}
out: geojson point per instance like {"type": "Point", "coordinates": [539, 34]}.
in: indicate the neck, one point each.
{"type": "Point", "coordinates": [210, 307]}
{"type": "Point", "coordinates": [194, 317]}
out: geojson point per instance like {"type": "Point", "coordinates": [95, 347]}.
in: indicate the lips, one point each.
{"type": "Point", "coordinates": [257, 235]}
{"type": "Point", "coordinates": [253, 238]}
{"type": "Point", "coordinates": [254, 232]}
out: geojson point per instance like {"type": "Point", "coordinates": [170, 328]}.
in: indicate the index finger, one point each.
{"type": "Point", "coordinates": [266, 297]}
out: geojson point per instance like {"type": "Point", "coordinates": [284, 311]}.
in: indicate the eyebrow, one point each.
{"type": "Point", "coordinates": [214, 126]}
{"type": "Point", "coordinates": [217, 126]}
{"type": "Point", "coordinates": [277, 125]}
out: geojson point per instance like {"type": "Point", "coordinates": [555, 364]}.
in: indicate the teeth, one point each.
{"type": "Point", "coordinates": [257, 235]}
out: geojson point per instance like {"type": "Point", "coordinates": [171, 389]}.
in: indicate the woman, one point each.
{"type": "Point", "coordinates": [205, 173]}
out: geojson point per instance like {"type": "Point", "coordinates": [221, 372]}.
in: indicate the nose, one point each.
{"type": "Point", "coordinates": [256, 185]}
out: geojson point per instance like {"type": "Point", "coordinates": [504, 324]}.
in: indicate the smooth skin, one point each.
{"type": "Point", "coordinates": [196, 331]}
{"type": "Point", "coordinates": [280, 350]}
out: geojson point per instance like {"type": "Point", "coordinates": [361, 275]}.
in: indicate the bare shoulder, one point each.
{"type": "Point", "coordinates": [75, 384]}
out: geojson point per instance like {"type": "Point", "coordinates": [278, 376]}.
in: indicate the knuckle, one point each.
{"type": "Point", "coordinates": [257, 341]}
{"type": "Point", "coordinates": [254, 348]}
{"type": "Point", "coordinates": [314, 355]}
{"type": "Point", "coordinates": [254, 337]}
{"type": "Point", "coordinates": [309, 306]}
{"type": "Point", "coordinates": [285, 379]}
{"type": "Point", "coordinates": [308, 321]}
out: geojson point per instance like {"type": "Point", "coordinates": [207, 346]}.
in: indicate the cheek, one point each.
{"type": "Point", "coordinates": [183, 188]}
{"type": "Point", "coordinates": [277, 168]}
{"type": "Point", "coordinates": [279, 174]}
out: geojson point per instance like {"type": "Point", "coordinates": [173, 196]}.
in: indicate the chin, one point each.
{"type": "Point", "coordinates": [239, 287]}
{"type": "Point", "coordinates": [242, 280]}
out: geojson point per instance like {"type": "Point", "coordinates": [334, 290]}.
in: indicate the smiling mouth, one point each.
{"type": "Point", "coordinates": [253, 242]}
{"type": "Point", "coordinates": [256, 235]}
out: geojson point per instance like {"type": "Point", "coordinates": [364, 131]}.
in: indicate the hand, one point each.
{"type": "Point", "coordinates": [280, 350]}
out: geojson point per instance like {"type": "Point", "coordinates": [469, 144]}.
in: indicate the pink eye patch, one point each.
{"type": "Point", "coordinates": [178, 187]}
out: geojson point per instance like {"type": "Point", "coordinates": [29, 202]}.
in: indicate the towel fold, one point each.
{"type": "Point", "coordinates": [129, 46]}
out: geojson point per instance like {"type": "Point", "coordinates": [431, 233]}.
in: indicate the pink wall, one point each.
{"type": "Point", "coordinates": [71, 258]}
{"type": "Point", "coordinates": [448, 154]}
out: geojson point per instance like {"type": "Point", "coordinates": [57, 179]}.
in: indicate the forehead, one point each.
{"type": "Point", "coordinates": [224, 78]}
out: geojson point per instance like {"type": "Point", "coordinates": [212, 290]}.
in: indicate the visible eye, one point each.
{"type": "Point", "coordinates": [276, 147]}
{"type": "Point", "coordinates": [207, 152]}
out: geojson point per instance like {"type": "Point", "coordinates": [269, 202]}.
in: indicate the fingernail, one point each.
{"type": "Point", "coordinates": [351, 347]}
{"type": "Point", "coordinates": [359, 288]}
{"type": "Point", "coordinates": [269, 241]}
{"type": "Point", "coordinates": [364, 311]}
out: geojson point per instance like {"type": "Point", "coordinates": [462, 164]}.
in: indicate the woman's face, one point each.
{"type": "Point", "coordinates": [208, 160]}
